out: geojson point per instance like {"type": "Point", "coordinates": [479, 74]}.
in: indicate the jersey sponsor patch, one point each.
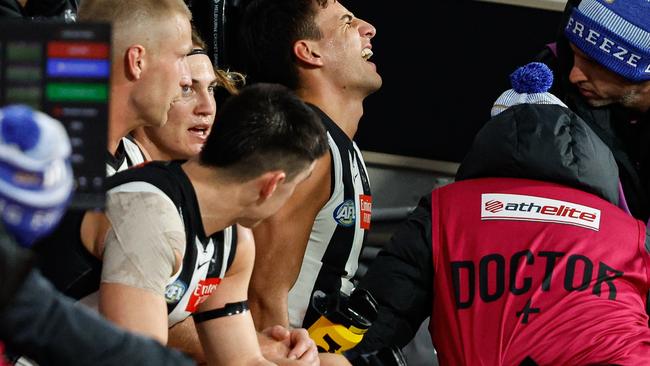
{"type": "Point", "coordinates": [365, 209]}
{"type": "Point", "coordinates": [345, 213]}
{"type": "Point", "coordinates": [175, 291]}
{"type": "Point", "coordinates": [497, 206]}
{"type": "Point", "coordinates": [201, 293]}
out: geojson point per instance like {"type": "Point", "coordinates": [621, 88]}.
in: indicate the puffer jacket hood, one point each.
{"type": "Point", "coordinates": [543, 142]}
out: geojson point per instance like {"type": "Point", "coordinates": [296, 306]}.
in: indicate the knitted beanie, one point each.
{"type": "Point", "coordinates": [36, 179]}
{"type": "Point", "coordinates": [532, 135]}
{"type": "Point", "coordinates": [615, 33]}
{"type": "Point", "coordinates": [530, 85]}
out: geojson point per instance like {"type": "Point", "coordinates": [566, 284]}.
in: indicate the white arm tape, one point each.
{"type": "Point", "coordinates": [139, 249]}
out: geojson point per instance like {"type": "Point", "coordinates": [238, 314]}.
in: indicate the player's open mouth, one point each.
{"type": "Point", "coordinates": [199, 131]}
{"type": "Point", "coordinates": [366, 53]}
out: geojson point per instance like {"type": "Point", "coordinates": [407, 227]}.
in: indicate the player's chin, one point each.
{"type": "Point", "coordinates": [192, 145]}
{"type": "Point", "coordinates": [194, 150]}
{"type": "Point", "coordinates": [249, 223]}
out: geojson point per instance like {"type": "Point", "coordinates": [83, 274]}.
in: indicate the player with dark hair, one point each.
{"type": "Point", "coordinates": [179, 242]}
{"type": "Point", "coordinates": [322, 51]}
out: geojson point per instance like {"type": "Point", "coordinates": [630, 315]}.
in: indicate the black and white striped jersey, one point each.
{"type": "Point", "coordinates": [206, 259]}
{"type": "Point", "coordinates": [338, 233]}
{"type": "Point", "coordinates": [128, 154]}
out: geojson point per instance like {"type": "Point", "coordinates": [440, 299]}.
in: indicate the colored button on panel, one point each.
{"type": "Point", "coordinates": [76, 92]}
{"type": "Point", "coordinates": [24, 52]}
{"type": "Point", "coordinates": [95, 50]}
{"type": "Point", "coordinates": [78, 68]}
{"type": "Point", "coordinates": [24, 94]}
{"type": "Point", "coordinates": [29, 74]}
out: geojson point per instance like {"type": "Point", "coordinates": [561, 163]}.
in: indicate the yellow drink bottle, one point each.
{"type": "Point", "coordinates": [344, 320]}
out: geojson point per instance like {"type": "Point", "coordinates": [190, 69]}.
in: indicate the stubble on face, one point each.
{"type": "Point", "coordinates": [344, 42]}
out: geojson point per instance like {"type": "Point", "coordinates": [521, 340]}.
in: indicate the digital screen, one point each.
{"type": "Point", "coordinates": [63, 70]}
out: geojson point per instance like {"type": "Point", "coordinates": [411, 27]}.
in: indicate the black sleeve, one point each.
{"type": "Point", "coordinates": [10, 9]}
{"type": "Point", "coordinates": [647, 248]}
{"type": "Point", "coordinates": [401, 280]}
{"type": "Point", "coordinates": [48, 8]}
{"type": "Point", "coordinates": [15, 263]}
{"type": "Point", "coordinates": [51, 329]}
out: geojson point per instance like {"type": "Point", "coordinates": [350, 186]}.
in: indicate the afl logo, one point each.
{"type": "Point", "coordinates": [344, 214]}
{"type": "Point", "coordinates": [175, 291]}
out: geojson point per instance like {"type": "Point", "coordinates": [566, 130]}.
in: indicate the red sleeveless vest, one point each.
{"type": "Point", "coordinates": [531, 269]}
{"type": "Point", "coordinates": [3, 360]}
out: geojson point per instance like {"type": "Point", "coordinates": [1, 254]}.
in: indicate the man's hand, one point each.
{"type": "Point", "coordinates": [278, 342]}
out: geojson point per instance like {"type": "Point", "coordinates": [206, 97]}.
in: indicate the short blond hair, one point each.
{"type": "Point", "coordinates": [131, 20]}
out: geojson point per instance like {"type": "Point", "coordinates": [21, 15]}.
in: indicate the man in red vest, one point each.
{"type": "Point", "coordinates": [526, 259]}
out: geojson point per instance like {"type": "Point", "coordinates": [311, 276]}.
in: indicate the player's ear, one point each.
{"type": "Point", "coordinates": [307, 52]}
{"type": "Point", "coordinates": [270, 182]}
{"type": "Point", "coordinates": [134, 61]}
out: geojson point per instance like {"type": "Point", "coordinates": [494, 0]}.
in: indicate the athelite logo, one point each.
{"type": "Point", "coordinates": [497, 206]}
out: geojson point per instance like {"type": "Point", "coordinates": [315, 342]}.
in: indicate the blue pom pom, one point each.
{"type": "Point", "coordinates": [534, 77]}
{"type": "Point", "coordinates": [19, 127]}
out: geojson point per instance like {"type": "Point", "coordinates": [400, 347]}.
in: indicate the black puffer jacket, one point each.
{"type": "Point", "coordinates": [15, 263]}
{"type": "Point", "coordinates": [543, 142]}
{"type": "Point", "coordinates": [40, 9]}
{"type": "Point", "coordinates": [10, 9]}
